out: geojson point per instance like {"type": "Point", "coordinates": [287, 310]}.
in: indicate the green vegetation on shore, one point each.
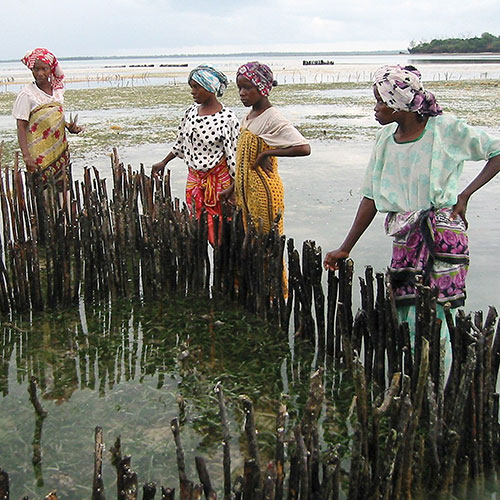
{"type": "Point", "coordinates": [484, 43]}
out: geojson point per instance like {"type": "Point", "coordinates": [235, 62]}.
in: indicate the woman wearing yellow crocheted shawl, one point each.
{"type": "Point", "coordinates": [265, 134]}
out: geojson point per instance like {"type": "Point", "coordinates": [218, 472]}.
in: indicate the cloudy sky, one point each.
{"type": "Point", "coordinates": [157, 27]}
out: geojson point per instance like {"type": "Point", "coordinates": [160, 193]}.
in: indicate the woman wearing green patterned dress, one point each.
{"type": "Point", "coordinates": [413, 176]}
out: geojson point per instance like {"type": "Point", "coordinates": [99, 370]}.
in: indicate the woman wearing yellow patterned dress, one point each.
{"type": "Point", "coordinates": [265, 134]}
{"type": "Point", "coordinates": [38, 109]}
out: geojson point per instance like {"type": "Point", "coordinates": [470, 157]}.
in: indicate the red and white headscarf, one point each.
{"type": "Point", "coordinates": [44, 55]}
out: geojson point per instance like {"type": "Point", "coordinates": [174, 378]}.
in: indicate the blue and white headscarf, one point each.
{"type": "Point", "coordinates": [209, 78]}
{"type": "Point", "coordinates": [401, 89]}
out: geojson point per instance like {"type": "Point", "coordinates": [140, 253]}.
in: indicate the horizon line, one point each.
{"type": "Point", "coordinates": [207, 54]}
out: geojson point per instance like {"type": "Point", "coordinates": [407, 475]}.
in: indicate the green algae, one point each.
{"type": "Point", "coordinates": [150, 114]}
{"type": "Point", "coordinates": [131, 368]}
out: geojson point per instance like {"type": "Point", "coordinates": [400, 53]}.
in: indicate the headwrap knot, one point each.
{"type": "Point", "coordinates": [401, 89]}
{"type": "Point", "coordinates": [209, 78]}
{"type": "Point", "coordinates": [44, 55]}
{"type": "Point", "coordinates": [260, 75]}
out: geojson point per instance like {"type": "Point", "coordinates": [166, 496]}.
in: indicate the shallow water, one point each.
{"type": "Point", "coordinates": [288, 68]}
{"type": "Point", "coordinates": [125, 368]}
{"type": "Point", "coordinates": [121, 369]}
{"type": "Point", "coordinates": [321, 199]}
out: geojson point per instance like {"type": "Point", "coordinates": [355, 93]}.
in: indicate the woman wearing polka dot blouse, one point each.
{"type": "Point", "coordinates": [265, 134]}
{"type": "Point", "coordinates": [206, 140]}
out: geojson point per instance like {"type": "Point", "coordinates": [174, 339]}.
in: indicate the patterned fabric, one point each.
{"type": "Point", "coordinates": [30, 97]}
{"type": "Point", "coordinates": [259, 75]}
{"type": "Point", "coordinates": [202, 141]}
{"type": "Point", "coordinates": [429, 244]}
{"type": "Point", "coordinates": [47, 139]}
{"type": "Point", "coordinates": [401, 177]}
{"type": "Point", "coordinates": [401, 89]}
{"type": "Point", "coordinates": [203, 189]}
{"type": "Point", "coordinates": [209, 78]}
{"type": "Point", "coordinates": [44, 55]}
{"type": "Point", "coordinates": [258, 195]}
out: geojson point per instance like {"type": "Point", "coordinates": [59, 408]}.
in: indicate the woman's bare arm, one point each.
{"type": "Point", "coordinates": [364, 216]}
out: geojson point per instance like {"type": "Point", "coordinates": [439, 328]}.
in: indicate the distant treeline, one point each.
{"type": "Point", "coordinates": [485, 43]}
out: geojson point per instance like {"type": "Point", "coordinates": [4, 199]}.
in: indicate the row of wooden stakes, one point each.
{"type": "Point", "coordinates": [421, 428]}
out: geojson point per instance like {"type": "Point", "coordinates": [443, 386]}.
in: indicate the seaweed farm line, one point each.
{"type": "Point", "coordinates": [414, 427]}
{"type": "Point", "coordinates": [287, 69]}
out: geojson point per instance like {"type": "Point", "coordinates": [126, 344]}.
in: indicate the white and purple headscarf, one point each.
{"type": "Point", "coordinates": [401, 89]}
{"type": "Point", "coordinates": [260, 75]}
{"type": "Point", "coordinates": [209, 78]}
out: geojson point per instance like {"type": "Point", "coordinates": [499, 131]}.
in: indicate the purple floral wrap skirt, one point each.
{"type": "Point", "coordinates": [427, 243]}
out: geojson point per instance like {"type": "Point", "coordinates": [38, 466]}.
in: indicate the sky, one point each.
{"type": "Point", "coordinates": [164, 27]}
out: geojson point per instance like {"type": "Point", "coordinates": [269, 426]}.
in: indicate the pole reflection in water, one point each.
{"type": "Point", "coordinates": [131, 369]}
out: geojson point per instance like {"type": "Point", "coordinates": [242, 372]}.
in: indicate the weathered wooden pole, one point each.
{"type": "Point", "coordinates": [4, 485]}
{"type": "Point", "coordinates": [98, 485]}
{"type": "Point", "coordinates": [226, 439]}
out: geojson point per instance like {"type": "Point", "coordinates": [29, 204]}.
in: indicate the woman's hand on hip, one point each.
{"type": "Point", "coordinates": [460, 208]}
{"type": "Point", "coordinates": [263, 161]}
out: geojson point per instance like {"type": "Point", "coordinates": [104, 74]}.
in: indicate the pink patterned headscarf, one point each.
{"type": "Point", "coordinates": [47, 57]}
{"type": "Point", "coordinates": [401, 89]}
{"type": "Point", "coordinates": [259, 75]}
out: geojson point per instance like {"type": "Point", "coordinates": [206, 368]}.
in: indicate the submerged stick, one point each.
{"type": "Point", "coordinates": [167, 493]}
{"type": "Point", "coordinates": [98, 485]}
{"type": "Point", "coordinates": [186, 486]}
{"type": "Point", "coordinates": [4, 485]}
{"type": "Point", "coordinates": [204, 478]}
{"type": "Point", "coordinates": [148, 491]}
{"type": "Point", "coordinates": [280, 450]}
{"type": "Point", "coordinates": [32, 389]}
{"type": "Point", "coordinates": [251, 431]}
{"type": "Point", "coordinates": [225, 441]}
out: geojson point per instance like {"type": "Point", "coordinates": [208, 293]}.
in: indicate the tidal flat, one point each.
{"type": "Point", "coordinates": [134, 116]}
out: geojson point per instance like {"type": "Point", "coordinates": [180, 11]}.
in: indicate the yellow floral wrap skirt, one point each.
{"type": "Point", "coordinates": [46, 138]}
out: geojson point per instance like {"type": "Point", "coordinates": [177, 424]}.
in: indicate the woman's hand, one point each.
{"type": "Point", "coordinates": [228, 195]}
{"type": "Point", "coordinates": [73, 126]}
{"type": "Point", "coordinates": [460, 208]}
{"type": "Point", "coordinates": [31, 165]}
{"type": "Point", "coordinates": [364, 216]}
{"type": "Point", "coordinates": [331, 260]}
{"type": "Point", "coordinates": [74, 129]}
{"type": "Point", "coordinates": [489, 171]}
{"type": "Point", "coordinates": [158, 168]}
{"type": "Point", "coordinates": [263, 161]}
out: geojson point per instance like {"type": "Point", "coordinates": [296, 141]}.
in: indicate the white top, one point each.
{"type": "Point", "coordinates": [30, 97]}
{"type": "Point", "coordinates": [202, 141]}
{"type": "Point", "coordinates": [274, 129]}
{"type": "Point", "coordinates": [402, 177]}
